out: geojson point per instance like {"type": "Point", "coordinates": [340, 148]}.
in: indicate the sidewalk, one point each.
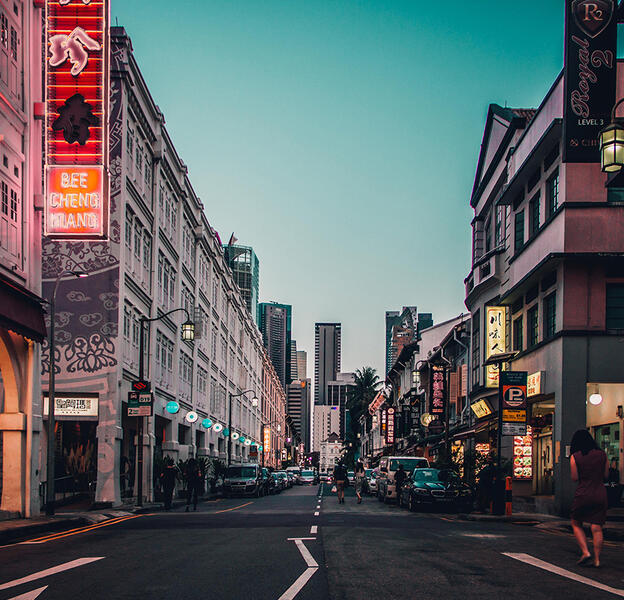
{"type": "Point", "coordinates": [613, 529]}
{"type": "Point", "coordinates": [15, 530]}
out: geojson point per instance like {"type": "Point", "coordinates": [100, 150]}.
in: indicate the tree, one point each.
{"type": "Point", "coordinates": [359, 397]}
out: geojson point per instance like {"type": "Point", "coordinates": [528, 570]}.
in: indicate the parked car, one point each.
{"type": "Point", "coordinates": [296, 471]}
{"type": "Point", "coordinates": [351, 477]}
{"type": "Point", "coordinates": [268, 481]}
{"type": "Point", "coordinates": [388, 466]}
{"type": "Point", "coordinates": [324, 477]}
{"type": "Point", "coordinates": [291, 478]}
{"type": "Point", "coordinates": [429, 487]}
{"type": "Point", "coordinates": [307, 478]}
{"type": "Point", "coordinates": [371, 478]}
{"type": "Point", "coordinates": [282, 479]}
{"type": "Point", "coordinates": [275, 486]}
{"type": "Point", "coordinates": [244, 480]}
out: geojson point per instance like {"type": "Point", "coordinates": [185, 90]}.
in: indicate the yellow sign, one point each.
{"type": "Point", "coordinates": [514, 416]}
{"type": "Point", "coordinates": [534, 384]}
{"type": "Point", "coordinates": [267, 440]}
{"type": "Point", "coordinates": [496, 331]}
{"type": "Point", "coordinates": [481, 409]}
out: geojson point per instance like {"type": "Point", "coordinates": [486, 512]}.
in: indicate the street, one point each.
{"type": "Point", "coordinates": [302, 544]}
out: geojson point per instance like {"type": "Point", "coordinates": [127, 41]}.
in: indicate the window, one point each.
{"type": "Point", "coordinates": [213, 345]}
{"type": "Point", "coordinates": [5, 198]}
{"type": "Point", "coordinates": [532, 326]}
{"type": "Point", "coordinates": [147, 253]}
{"type": "Point", "coordinates": [518, 341]}
{"type": "Point", "coordinates": [499, 227]}
{"type": "Point", "coordinates": [488, 236]}
{"type": "Point", "coordinates": [550, 314]}
{"type": "Point", "coordinates": [615, 305]}
{"type": "Point", "coordinates": [552, 194]}
{"type": "Point", "coordinates": [129, 141]}
{"type": "Point", "coordinates": [476, 348]}
{"type": "Point", "coordinates": [138, 234]}
{"type": "Point", "coordinates": [534, 215]}
{"type": "Point", "coordinates": [519, 231]}
{"type": "Point", "coordinates": [148, 172]}
{"type": "Point", "coordinates": [4, 30]}
{"type": "Point", "coordinates": [13, 43]}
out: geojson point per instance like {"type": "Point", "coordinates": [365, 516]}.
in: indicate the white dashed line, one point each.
{"type": "Point", "coordinates": [314, 529]}
{"type": "Point", "coordinates": [316, 514]}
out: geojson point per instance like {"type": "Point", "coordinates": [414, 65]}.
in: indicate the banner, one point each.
{"type": "Point", "coordinates": [496, 331]}
{"type": "Point", "coordinates": [437, 390]}
{"type": "Point", "coordinates": [589, 76]}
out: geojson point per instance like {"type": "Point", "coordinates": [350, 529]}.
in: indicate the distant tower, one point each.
{"type": "Point", "coordinates": [327, 339]}
{"type": "Point", "coordinates": [274, 321]}
{"type": "Point", "coordinates": [302, 364]}
{"type": "Point", "coordinates": [245, 267]}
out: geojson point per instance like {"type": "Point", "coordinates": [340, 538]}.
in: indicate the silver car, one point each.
{"type": "Point", "coordinates": [307, 477]}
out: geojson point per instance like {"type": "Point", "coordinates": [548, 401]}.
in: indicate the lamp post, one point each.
{"type": "Point", "coordinates": [188, 335]}
{"type": "Point", "coordinates": [254, 402]}
{"type": "Point", "coordinates": [50, 491]}
{"type": "Point", "coordinates": [611, 140]}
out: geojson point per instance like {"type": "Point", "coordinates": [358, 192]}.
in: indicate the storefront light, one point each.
{"type": "Point", "coordinates": [595, 399]}
{"type": "Point", "coordinates": [218, 427]}
{"type": "Point", "coordinates": [192, 416]}
{"type": "Point", "coordinates": [172, 407]}
{"type": "Point", "coordinates": [247, 442]}
{"type": "Point", "coordinates": [206, 423]}
{"type": "Point", "coordinates": [235, 435]}
{"type": "Point", "coordinates": [611, 140]}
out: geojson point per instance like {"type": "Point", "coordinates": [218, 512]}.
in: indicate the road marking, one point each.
{"type": "Point", "coordinates": [314, 529]}
{"type": "Point", "coordinates": [229, 509]}
{"type": "Point", "coordinates": [316, 514]}
{"type": "Point", "coordinates": [540, 564]}
{"type": "Point", "coordinates": [51, 571]}
{"type": "Point", "coordinates": [30, 595]}
{"type": "Point", "coordinates": [62, 534]}
{"type": "Point", "coordinates": [296, 587]}
{"type": "Point", "coordinates": [489, 536]}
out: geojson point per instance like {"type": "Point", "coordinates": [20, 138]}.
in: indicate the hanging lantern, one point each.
{"type": "Point", "coordinates": [611, 140]}
{"type": "Point", "coordinates": [188, 331]}
{"type": "Point", "coordinates": [218, 427]}
{"type": "Point", "coordinates": [206, 423]}
{"type": "Point", "coordinates": [235, 435]}
{"type": "Point", "coordinates": [172, 407]}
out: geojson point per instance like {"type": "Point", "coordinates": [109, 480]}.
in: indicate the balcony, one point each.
{"type": "Point", "coordinates": [486, 273]}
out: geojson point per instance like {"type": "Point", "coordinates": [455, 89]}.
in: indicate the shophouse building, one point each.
{"type": "Point", "coordinates": [162, 255]}
{"type": "Point", "coordinates": [330, 453]}
{"type": "Point", "coordinates": [22, 326]}
{"type": "Point", "coordinates": [548, 247]}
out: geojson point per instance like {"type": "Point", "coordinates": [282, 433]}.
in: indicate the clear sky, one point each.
{"type": "Point", "coordinates": [339, 138]}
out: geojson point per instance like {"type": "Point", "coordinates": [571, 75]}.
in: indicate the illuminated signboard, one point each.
{"type": "Point", "coordinates": [267, 439]}
{"type": "Point", "coordinates": [496, 330]}
{"type": "Point", "coordinates": [523, 455]}
{"type": "Point", "coordinates": [76, 125]}
{"type": "Point", "coordinates": [481, 409]}
{"type": "Point", "coordinates": [73, 407]}
{"type": "Point", "coordinates": [375, 405]}
{"type": "Point", "coordinates": [437, 391]}
{"type": "Point", "coordinates": [534, 384]}
{"type": "Point", "coordinates": [390, 427]}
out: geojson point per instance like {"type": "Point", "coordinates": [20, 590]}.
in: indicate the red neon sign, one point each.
{"type": "Point", "coordinates": [76, 124]}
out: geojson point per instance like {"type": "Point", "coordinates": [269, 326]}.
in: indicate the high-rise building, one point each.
{"type": "Point", "coordinates": [326, 422]}
{"type": "Point", "coordinates": [401, 329]}
{"type": "Point", "coordinates": [294, 370]}
{"type": "Point", "coordinates": [327, 338]}
{"type": "Point", "coordinates": [337, 396]}
{"type": "Point", "coordinates": [302, 364]}
{"type": "Point", "coordinates": [245, 267]}
{"type": "Point", "coordinates": [298, 407]}
{"type": "Point", "coordinates": [274, 321]}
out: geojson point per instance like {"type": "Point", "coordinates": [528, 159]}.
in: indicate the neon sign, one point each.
{"type": "Point", "coordinates": [76, 125]}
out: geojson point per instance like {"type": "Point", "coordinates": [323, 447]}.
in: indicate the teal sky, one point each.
{"type": "Point", "coordinates": [339, 138]}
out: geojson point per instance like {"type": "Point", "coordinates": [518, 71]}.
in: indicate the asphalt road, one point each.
{"type": "Point", "coordinates": [277, 547]}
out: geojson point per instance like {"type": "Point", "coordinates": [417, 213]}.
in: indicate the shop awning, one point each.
{"type": "Point", "coordinates": [21, 310]}
{"type": "Point", "coordinates": [462, 435]}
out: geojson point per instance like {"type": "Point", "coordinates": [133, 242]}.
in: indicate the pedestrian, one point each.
{"type": "Point", "coordinates": [399, 478]}
{"type": "Point", "coordinates": [589, 467]}
{"type": "Point", "coordinates": [193, 483]}
{"type": "Point", "coordinates": [340, 476]}
{"type": "Point", "coordinates": [360, 479]}
{"type": "Point", "coordinates": [613, 484]}
{"type": "Point", "coordinates": [167, 480]}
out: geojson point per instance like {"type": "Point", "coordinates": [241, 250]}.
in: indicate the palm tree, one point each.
{"type": "Point", "coordinates": [359, 397]}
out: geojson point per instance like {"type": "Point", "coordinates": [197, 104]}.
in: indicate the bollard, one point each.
{"type": "Point", "coordinates": [508, 496]}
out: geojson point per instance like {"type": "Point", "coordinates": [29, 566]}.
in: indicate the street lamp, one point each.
{"type": "Point", "coordinates": [50, 491]}
{"type": "Point", "coordinates": [254, 403]}
{"type": "Point", "coordinates": [188, 335]}
{"type": "Point", "coordinates": [611, 140]}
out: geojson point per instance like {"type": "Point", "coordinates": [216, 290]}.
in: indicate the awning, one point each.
{"type": "Point", "coordinates": [21, 310]}
{"type": "Point", "coordinates": [462, 435]}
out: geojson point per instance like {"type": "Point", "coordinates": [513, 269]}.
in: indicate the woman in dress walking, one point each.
{"type": "Point", "coordinates": [360, 478]}
{"type": "Point", "coordinates": [589, 467]}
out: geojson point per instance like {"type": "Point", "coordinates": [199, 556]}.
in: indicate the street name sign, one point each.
{"type": "Point", "coordinates": [140, 404]}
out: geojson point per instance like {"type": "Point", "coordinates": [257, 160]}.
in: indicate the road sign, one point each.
{"type": "Point", "coordinates": [140, 404]}
{"type": "Point", "coordinates": [140, 385]}
{"type": "Point", "coordinates": [514, 429]}
{"type": "Point", "coordinates": [513, 402]}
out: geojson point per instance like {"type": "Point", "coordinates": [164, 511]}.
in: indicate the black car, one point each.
{"type": "Point", "coordinates": [435, 487]}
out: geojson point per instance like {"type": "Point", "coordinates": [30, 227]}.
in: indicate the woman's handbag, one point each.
{"type": "Point", "coordinates": [334, 489]}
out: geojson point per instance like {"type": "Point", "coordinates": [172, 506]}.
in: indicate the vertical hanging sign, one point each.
{"type": "Point", "coordinates": [76, 124]}
{"type": "Point", "coordinates": [496, 330]}
{"type": "Point", "coordinates": [437, 390]}
{"type": "Point", "coordinates": [589, 76]}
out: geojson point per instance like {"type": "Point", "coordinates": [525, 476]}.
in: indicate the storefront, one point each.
{"type": "Point", "coordinates": [605, 414]}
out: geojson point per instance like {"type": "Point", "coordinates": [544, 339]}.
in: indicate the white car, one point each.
{"type": "Point", "coordinates": [307, 478]}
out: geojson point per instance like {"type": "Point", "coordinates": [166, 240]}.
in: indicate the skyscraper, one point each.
{"type": "Point", "coordinates": [302, 364]}
{"type": "Point", "coordinates": [337, 396]}
{"type": "Point", "coordinates": [274, 321]}
{"type": "Point", "coordinates": [294, 367]}
{"type": "Point", "coordinates": [402, 328]}
{"type": "Point", "coordinates": [299, 409]}
{"type": "Point", "coordinates": [245, 267]}
{"type": "Point", "coordinates": [326, 358]}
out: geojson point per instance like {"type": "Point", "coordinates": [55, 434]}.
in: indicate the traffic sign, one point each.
{"type": "Point", "coordinates": [141, 385]}
{"type": "Point", "coordinates": [513, 402]}
{"type": "Point", "coordinates": [140, 404]}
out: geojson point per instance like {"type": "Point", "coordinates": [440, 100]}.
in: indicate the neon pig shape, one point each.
{"type": "Point", "coordinates": [73, 46]}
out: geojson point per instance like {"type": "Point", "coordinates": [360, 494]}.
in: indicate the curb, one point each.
{"type": "Point", "coordinates": [613, 534]}
{"type": "Point", "coordinates": [17, 533]}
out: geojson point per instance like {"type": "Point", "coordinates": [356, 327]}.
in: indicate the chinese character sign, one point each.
{"type": "Point", "coordinates": [496, 331]}
{"type": "Point", "coordinates": [390, 426]}
{"type": "Point", "coordinates": [267, 440]}
{"type": "Point", "coordinates": [437, 390]}
{"type": "Point", "coordinates": [76, 126]}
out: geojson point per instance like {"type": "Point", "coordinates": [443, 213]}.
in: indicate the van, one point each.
{"type": "Point", "coordinates": [388, 466]}
{"type": "Point", "coordinates": [296, 471]}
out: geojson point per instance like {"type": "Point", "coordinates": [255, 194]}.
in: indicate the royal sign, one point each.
{"type": "Point", "coordinates": [76, 123]}
{"type": "Point", "coordinates": [589, 76]}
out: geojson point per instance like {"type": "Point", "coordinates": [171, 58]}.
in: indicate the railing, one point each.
{"type": "Point", "coordinates": [70, 487]}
